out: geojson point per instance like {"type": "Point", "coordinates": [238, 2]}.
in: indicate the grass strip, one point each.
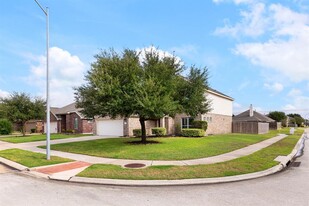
{"type": "Point", "coordinates": [31, 159]}
{"type": "Point", "coordinates": [172, 148]}
{"type": "Point", "coordinates": [42, 137]}
{"type": "Point", "coordinates": [258, 161]}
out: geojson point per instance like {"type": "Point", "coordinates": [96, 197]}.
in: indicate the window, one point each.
{"type": "Point", "coordinates": [186, 122]}
{"type": "Point", "coordinates": [207, 119]}
{"type": "Point", "coordinates": [75, 123]}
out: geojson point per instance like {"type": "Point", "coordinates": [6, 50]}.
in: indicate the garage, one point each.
{"type": "Point", "coordinates": [109, 127]}
{"type": "Point", "coordinates": [53, 127]}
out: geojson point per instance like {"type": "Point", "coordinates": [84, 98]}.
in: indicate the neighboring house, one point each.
{"type": "Point", "coordinates": [219, 119]}
{"type": "Point", "coordinates": [68, 119]}
{"type": "Point", "coordinates": [251, 122]}
{"type": "Point", "coordinates": [30, 125]}
{"type": "Point", "coordinates": [36, 125]}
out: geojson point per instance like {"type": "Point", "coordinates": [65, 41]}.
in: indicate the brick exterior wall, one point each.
{"type": "Point", "coordinates": [87, 126]}
{"type": "Point", "coordinates": [70, 122]}
{"type": "Point", "coordinates": [133, 123]}
{"type": "Point", "coordinates": [84, 125]}
{"type": "Point", "coordinates": [169, 124]}
{"type": "Point", "coordinates": [219, 124]}
{"type": "Point", "coordinates": [30, 125]}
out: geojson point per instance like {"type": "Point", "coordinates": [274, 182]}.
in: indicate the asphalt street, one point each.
{"type": "Point", "coordinates": [290, 187]}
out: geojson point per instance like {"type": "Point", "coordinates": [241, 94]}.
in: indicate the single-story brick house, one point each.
{"type": "Point", "coordinates": [30, 125]}
{"type": "Point", "coordinates": [251, 122]}
{"type": "Point", "coordinates": [219, 119]}
{"type": "Point", "coordinates": [68, 119]}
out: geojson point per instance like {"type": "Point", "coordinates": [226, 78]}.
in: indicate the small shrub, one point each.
{"type": "Point", "coordinates": [193, 132]}
{"type": "Point", "coordinates": [5, 127]}
{"type": "Point", "coordinates": [177, 129]}
{"type": "Point", "coordinates": [158, 131]}
{"type": "Point", "coordinates": [70, 131]}
{"type": "Point", "coordinates": [137, 132]}
{"type": "Point", "coordinates": [200, 125]}
{"type": "Point", "coordinates": [32, 130]}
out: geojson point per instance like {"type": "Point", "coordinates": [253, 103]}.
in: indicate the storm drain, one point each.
{"type": "Point", "coordinates": [295, 164]}
{"type": "Point", "coordinates": [134, 165]}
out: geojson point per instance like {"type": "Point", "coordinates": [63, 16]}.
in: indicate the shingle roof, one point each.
{"type": "Point", "coordinates": [66, 109]}
{"type": "Point", "coordinates": [257, 117]}
{"type": "Point", "coordinates": [220, 93]}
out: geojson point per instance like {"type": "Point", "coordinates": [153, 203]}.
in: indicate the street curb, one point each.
{"type": "Point", "coordinates": [12, 164]}
{"type": "Point", "coordinates": [291, 156]}
{"type": "Point", "coordinates": [200, 181]}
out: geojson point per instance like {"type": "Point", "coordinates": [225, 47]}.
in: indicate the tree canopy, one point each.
{"type": "Point", "coordinates": [20, 108]}
{"type": "Point", "coordinates": [149, 85]}
{"type": "Point", "coordinates": [296, 119]}
{"type": "Point", "coordinates": [276, 115]}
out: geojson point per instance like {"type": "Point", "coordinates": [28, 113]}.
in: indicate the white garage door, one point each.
{"type": "Point", "coordinates": [110, 127]}
{"type": "Point", "coordinates": [53, 127]}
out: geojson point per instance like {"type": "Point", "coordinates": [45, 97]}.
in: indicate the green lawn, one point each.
{"type": "Point", "coordinates": [31, 159]}
{"type": "Point", "coordinates": [177, 148]}
{"type": "Point", "coordinates": [41, 137]}
{"type": "Point", "coordinates": [261, 160]}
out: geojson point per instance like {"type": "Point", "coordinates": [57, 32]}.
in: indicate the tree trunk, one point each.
{"type": "Point", "coordinates": [142, 122]}
{"type": "Point", "coordinates": [23, 130]}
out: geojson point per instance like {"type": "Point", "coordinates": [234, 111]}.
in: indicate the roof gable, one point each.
{"type": "Point", "coordinates": [216, 92]}
{"type": "Point", "coordinates": [67, 109]}
{"type": "Point", "coordinates": [257, 117]}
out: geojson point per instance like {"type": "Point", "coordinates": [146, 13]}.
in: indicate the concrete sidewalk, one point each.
{"type": "Point", "coordinates": [6, 145]}
{"type": "Point", "coordinates": [101, 160]}
{"type": "Point", "coordinates": [67, 171]}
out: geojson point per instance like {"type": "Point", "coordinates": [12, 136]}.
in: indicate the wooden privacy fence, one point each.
{"type": "Point", "coordinates": [250, 127]}
{"type": "Point", "coordinates": [275, 125]}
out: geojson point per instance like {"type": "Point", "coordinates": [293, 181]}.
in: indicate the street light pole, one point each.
{"type": "Point", "coordinates": [47, 82]}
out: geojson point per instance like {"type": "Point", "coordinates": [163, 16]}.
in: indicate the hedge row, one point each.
{"type": "Point", "coordinates": [193, 132]}
{"type": "Point", "coordinates": [157, 131]}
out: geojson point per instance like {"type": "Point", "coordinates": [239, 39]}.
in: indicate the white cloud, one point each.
{"type": "Point", "coordinates": [275, 87]}
{"type": "Point", "coordinates": [298, 104]}
{"type": "Point", "coordinates": [237, 105]}
{"type": "Point", "coordinates": [284, 48]}
{"type": "Point", "coordinates": [294, 93]}
{"type": "Point", "coordinates": [161, 53]}
{"type": "Point", "coordinates": [66, 72]}
{"type": "Point", "coordinates": [253, 23]}
{"type": "Point", "coordinates": [243, 85]}
{"type": "Point", "coordinates": [186, 50]}
{"type": "Point", "coordinates": [289, 107]}
{"type": "Point", "coordinates": [238, 108]}
{"type": "Point", "coordinates": [234, 1]}
{"type": "Point", "coordinates": [4, 94]}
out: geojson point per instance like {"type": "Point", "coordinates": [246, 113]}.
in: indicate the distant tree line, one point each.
{"type": "Point", "coordinates": [19, 108]}
{"type": "Point", "coordinates": [289, 119]}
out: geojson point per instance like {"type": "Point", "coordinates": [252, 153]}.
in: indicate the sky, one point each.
{"type": "Point", "coordinates": [256, 51]}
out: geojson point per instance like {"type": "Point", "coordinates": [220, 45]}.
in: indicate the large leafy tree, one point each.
{"type": "Point", "coordinates": [20, 108]}
{"type": "Point", "coordinates": [296, 119]}
{"type": "Point", "coordinates": [276, 115]}
{"type": "Point", "coordinates": [3, 111]}
{"type": "Point", "coordinates": [145, 83]}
